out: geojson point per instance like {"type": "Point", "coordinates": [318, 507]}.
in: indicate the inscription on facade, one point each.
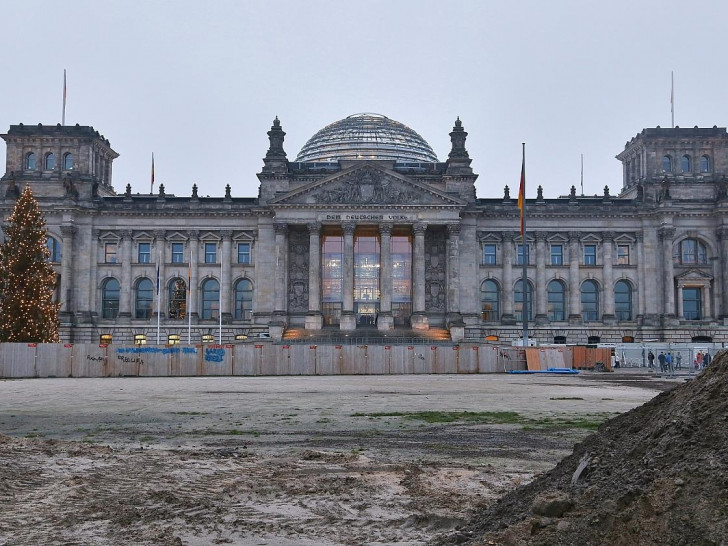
{"type": "Point", "coordinates": [366, 217]}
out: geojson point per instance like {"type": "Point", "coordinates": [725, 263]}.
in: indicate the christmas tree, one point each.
{"type": "Point", "coordinates": [27, 280]}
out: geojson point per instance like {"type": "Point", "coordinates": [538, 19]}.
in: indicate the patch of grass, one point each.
{"type": "Point", "coordinates": [34, 435]}
{"type": "Point", "coordinates": [146, 439]}
{"type": "Point", "coordinates": [566, 398]}
{"type": "Point", "coordinates": [489, 417]}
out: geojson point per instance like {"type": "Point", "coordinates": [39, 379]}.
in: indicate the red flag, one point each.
{"type": "Point", "coordinates": [522, 195]}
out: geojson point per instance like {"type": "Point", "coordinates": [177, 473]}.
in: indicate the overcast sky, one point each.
{"type": "Point", "coordinates": [199, 82]}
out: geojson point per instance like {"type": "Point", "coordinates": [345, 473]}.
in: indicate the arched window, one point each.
{"type": "Point", "coordinates": [705, 164]}
{"type": "Point", "coordinates": [243, 299]}
{"type": "Point", "coordinates": [144, 299]}
{"type": "Point", "coordinates": [54, 249]}
{"type": "Point", "coordinates": [68, 162]}
{"type": "Point", "coordinates": [667, 164]}
{"type": "Point", "coordinates": [50, 162]}
{"type": "Point", "coordinates": [30, 162]}
{"type": "Point", "coordinates": [556, 293]}
{"type": "Point", "coordinates": [691, 252]}
{"type": "Point", "coordinates": [210, 299]}
{"type": "Point", "coordinates": [177, 298]}
{"type": "Point", "coordinates": [686, 164]}
{"type": "Point", "coordinates": [490, 300]}
{"type": "Point", "coordinates": [110, 299]}
{"type": "Point", "coordinates": [623, 300]}
{"type": "Point", "coordinates": [589, 301]}
{"type": "Point", "coordinates": [518, 297]}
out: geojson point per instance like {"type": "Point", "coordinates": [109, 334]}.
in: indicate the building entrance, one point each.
{"type": "Point", "coordinates": [366, 314]}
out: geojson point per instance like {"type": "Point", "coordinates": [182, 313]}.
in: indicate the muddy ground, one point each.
{"type": "Point", "coordinates": [286, 460]}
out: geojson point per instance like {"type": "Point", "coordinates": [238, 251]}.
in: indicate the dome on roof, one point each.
{"type": "Point", "coordinates": [367, 136]}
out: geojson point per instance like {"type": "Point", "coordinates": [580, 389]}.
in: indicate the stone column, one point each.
{"type": "Point", "coordinates": [666, 235]}
{"type": "Point", "coordinates": [348, 319]}
{"type": "Point", "coordinates": [125, 292]}
{"type": "Point", "coordinates": [226, 281]}
{"type": "Point", "coordinates": [608, 316]}
{"type": "Point", "coordinates": [640, 276]}
{"type": "Point", "coordinates": [721, 282]}
{"type": "Point", "coordinates": [314, 318]}
{"type": "Point", "coordinates": [453, 274]}
{"type": "Point", "coordinates": [707, 308]}
{"type": "Point", "coordinates": [680, 304]}
{"type": "Point", "coordinates": [67, 292]}
{"type": "Point", "coordinates": [507, 303]}
{"type": "Point", "coordinates": [281, 271]}
{"type": "Point", "coordinates": [419, 319]}
{"type": "Point", "coordinates": [194, 274]}
{"type": "Point", "coordinates": [94, 281]}
{"type": "Point", "coordinates": [159, 256]}
{"type": "Point", "coordinates": [574, 280]}
{"type": "Point", "coordinates": [540, 289]}
{"type": "Point", "coordinates": [651, 268]}
{"type": "Point", "coordinates": [385, 319]}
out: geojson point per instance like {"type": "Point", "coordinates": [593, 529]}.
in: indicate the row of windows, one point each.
{"type": "Point", "coordinates": [490, 254]}
{"type": "Point", "coordinates": [49, 162]}
{"type": "Point", "coordinates": [490, 298]}
{"type": "Point", "coordinates": [686, 164]}
{"type": "Point", "coordinates": [688, 252]}
{"type": "Point", "coordinates": [144, 253]}
{"type": "Point", "coordinates": [177, 297]}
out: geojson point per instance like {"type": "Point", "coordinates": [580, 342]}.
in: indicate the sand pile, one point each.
{"type": "Point", "coordinates": [655, 475]}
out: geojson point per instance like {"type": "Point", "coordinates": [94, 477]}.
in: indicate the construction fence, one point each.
{"type": "Point", "coordinates": [90, 360]}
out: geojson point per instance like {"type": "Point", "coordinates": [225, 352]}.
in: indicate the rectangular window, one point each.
{"type": "Point", "coordinates": [622, 254]}
{"type": "Point", "coordinates": [557, 255]}
{"type": "Point", "coordinates": [145, 253]}
{"type": "Point", "coordinates": [178, 253]}
{"type": "Point", "coordinates": [590, 254]}
{"type": "Point", "coordinates": [520, 255]}
{"type": "Point", "coordinates": [110, 253]}
{"type": "Point", "coordinates": [210, 253]}
{"type": "Point", "coordinates": [489, 254]}
{"type": "Point", "coordinates": [243, 253]}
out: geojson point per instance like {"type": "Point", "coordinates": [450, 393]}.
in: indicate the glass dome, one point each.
{"type": "Point", "coordinates": [367, 136]}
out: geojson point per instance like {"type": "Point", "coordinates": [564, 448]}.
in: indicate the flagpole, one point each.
{"type": "Point", "coordinates": [672, 97]}
{"type": "Point", "coordinates": [151, 187]}
{"type": "Point", "coordinates": [189, 299]}
{"type": "Point", "coordinates": [159, 292]}
{"type": "Point", "coordinates": [582, 175]}
{"type": "Point", "coordinates": [63, 115]}
{"type": "Point", "coordinates": [524, 278]}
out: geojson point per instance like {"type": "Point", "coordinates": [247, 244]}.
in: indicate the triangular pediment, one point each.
{"type": "Point", "coordinates": [694, 275]}
{"type": "Point", "coordinates": [367, 184]}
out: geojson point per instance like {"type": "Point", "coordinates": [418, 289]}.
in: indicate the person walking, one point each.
{"type": "Point", "coordinates": [678, 361]}
{"type": "Point", "coordinates": [650, 360]}
{"type": "Point", "coordinates": [706, 359]}
{"type": "Point", "coordinates": [668, 362]}
{"type": "Point", "coordinates": [661, 359]}
{"type": "Point", "coordinates": [699, 360]}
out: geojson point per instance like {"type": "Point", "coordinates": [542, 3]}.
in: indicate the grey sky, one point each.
{"type": "Point", "coordinates": [199, 83]}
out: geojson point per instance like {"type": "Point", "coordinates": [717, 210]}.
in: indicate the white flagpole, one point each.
{"type": "Point", "coordinates": [672, 97]}
{"type": "Point", "coordinates": [219, 305]}
{"type": "Point", "coordinates": [63, 116]}
{"type": "Point", "coordinates": [189, 300]}
{"type": "Point", "coordinates": [159, 292]}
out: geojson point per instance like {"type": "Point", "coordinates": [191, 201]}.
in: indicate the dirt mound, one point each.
{"type": "Point", "coordinates": [655, 475]}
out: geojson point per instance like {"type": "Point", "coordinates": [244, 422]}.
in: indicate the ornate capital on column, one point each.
{"type": "Point", "coordinates": [125, 234]}
{"type": "Point", "coordinates": [639, 236]}
{"type": "Point", "coordinates": [574, 235]}
{"type": "Point", "coordinates": [508, 236]}
{"type": "Point", "coordinates": [666, 233]}
{"type": "Point", "coordinates": [453, 230]}
{"type": "Point", "coordinates": [160, 234]}
{"type": "Point", "coordinates": [96, 233]}
{"type": "Point", "coordinates": [419, 228]}
{"type": "Point", "coordinates": [226, 234]}
{"type": "Point", "coordinates": [607, 235]}
{"type": "Point", "coordinates": [194, 233]}
{"type": "Point", "coordinates": [349, 228]}
{"type": "Point", "coordinates": [314, 228]}
{"type": "Point", "coordinates": [722, 233]}
{"type": "Point", "coordinates": [385, 229]}
{"type": "Point", "coordinates": [281, 228]}
{"type": "Point", "coordinates": [540, 236]}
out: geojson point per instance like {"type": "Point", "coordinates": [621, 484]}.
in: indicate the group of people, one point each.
{"type": "Point", "coordinates": [668, 363]}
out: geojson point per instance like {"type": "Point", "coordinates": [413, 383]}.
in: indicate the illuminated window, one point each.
{"type": "Point", "coordinates": [105, 339]}
{"type": "Point", "coordinates": [332, 278]}
{"type": "Point", "coordinates": [627, 339]}
{"type": "Point", "coordinates": [140, 339]}
{"type": "Point", "coordinates": [489, 300]}
{"type": "Point", "coordinates": [173, 339]}
{"type": "Point", "coordinates": [208, 338]}
{"type": "Point", "coordinates": [241, 337]}
{"type": "Point", "coordinates": [110, 253]}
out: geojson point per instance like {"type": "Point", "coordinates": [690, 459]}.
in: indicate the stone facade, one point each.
{"type": "Point", "coordinates": [371, 243]}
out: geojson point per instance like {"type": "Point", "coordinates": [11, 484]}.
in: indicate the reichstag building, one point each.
{"type": "Point", "coordinates": [367, 230]}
